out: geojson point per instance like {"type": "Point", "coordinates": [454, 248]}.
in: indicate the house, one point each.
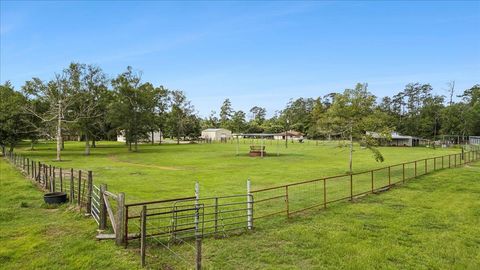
{"type": "Point", "coordinates": [216, 134]}
{"type": "Point", "coordinates": [397, 139]}
{"type": "Point", "coordinates": [156, 136]}
{"type": "Point", "coordinates": [291, 134]}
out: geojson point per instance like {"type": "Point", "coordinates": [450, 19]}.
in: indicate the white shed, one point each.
{"type": "Point", "coordinates": [157, 137]}
{"type": "Point", "coordinates": [216, 134]}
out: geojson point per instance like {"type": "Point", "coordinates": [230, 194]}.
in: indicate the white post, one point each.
{"type": "Point", "coordinates": [249, 207]}
{"type": "Point", "coordinates": [261, 148]}
{"type": "Point", "coordinates": [197, 197]}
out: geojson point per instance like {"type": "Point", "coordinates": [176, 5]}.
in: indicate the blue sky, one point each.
{"type": "Point", "coordinates": [255, 53]}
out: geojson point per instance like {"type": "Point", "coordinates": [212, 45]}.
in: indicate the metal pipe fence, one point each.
{"type": "Point", "coordinates": [298, 197]}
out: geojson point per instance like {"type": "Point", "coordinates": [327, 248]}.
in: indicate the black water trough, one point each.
{"type": "Point", "coordinates": [55, 197]}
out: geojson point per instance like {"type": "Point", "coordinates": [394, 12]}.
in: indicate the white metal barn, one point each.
{"type": "Point", "coordinates": [216, 134]}
{"type": "Point", "coordinates": [157, 137]}
{"type": "Point", "coordinates": [474, 140]}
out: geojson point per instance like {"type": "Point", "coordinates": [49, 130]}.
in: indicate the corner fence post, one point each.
{"type": "Point", "coordinates": [89, 192]}
{"type": "Point", "coordinates": [143, 232]}
{"type": "Point", "coordinates": [249, 207]}
{"type": "Point", "coordinates": [103, 209]}
{"type": "Point", "coordinates": [120, 219]}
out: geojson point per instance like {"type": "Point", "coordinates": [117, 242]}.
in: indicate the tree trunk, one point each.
{"type": "Point", "coordinates": [160, 138]}
{"type": "Point", "coordinates": [130, 146]}
{"type": "Point", "coordinates": [59, 131]}
{"type": "Point", "coordinates": [94, 143]}
{"type": "Point", "coordinates": [63, 144]}
{"type": "Point", "coordinates": [87, 145]}
{"type": "Point", "coordinates": [136, 145]}
{"type": "Point", "coordinates": [31, 144]}
{"type": "Point", "coordinates": [153, 138]}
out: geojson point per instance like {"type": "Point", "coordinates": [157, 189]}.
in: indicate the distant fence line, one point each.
{"type": "Point", "coordinates": [297, 197]}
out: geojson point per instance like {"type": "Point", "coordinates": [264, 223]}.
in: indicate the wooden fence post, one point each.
{"type": "Point", "coordinates": [120, 219]}
{"type": "Point", "coordinates": [61, 180]}
{"type": "Point", "coordinates": [79, 194]}
{"type": "Point", "coordinates": [103, 209]}
{"type": "Point", "coordinates": [72, 186]}
{"type": "Point", "coordinates": [89, 192]}
{"type": "Point", "coordinates": [403, 179]}
{"type": "Point", "coordinates": [53, 180]}
{"type": "Point", "coordinates": [28, 167]}
{"type": "Point", "coordinates": [324, 193]}
{"type": "Point", "coordinates": [143, 233]}
{"type": "Point", "coordinates": [286, 202]}
{"type": "Point", "coordinates": [426, 162]}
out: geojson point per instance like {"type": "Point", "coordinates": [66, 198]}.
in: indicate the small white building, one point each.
{"type": "Point", "coordinates": [474, 140]}
{"type": "Point", "coordinates": [291, 135]}
{"type": "Point", "coordinates": [216, 134]}
{"type": "Point", "coordinates": [157, 136]}
{"type": "Point", "coordinates": [397, 139]}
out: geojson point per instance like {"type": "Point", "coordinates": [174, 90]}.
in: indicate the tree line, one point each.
{"type": "Point", "coordinates": [83, 102]}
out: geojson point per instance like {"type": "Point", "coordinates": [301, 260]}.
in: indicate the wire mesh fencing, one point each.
{"type": "Point", "coordinates": [297, 197]}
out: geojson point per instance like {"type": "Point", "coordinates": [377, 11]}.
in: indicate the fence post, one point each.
{"type": "Point", "coordinates": [103, 209]}
{"type": "Point", "coordinates": [216, 216]}
{"type": "Point", "coordinates": [120, 218]}
{"type": "Point", "coordinates": [143, 232]}
{"type": "Point", "coordinates": [52, 188]}
{"type": "Point", "coordinates": [89, 192]}
{"type": "Point", "coordinates": [442, 161]}
{"type": "Point", "coordinates": [79, 194]}
{"type": "Point", "coordinates": [50, 176]}
{"type": "Point", "coordinates": [198, 236]}
{"type": "Point", "coordinates": [28, 166]}
{"type": "Point", "coordinates": [61, 180]}
{"type": "Point", "coordinates": [426, 164]}
{"type": "Point", "coordinates": [403, 179]}
{"type": "Point", "coordinates": [72, 186]}
{"type": "Point", "coordinates": [286, 202]}
{"type": "Point", "coordinates": [455, 163]}
{"type": "Point", "coordinates": [249, 208]}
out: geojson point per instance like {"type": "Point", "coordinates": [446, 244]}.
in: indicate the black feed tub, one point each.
{"type": "Point", "coordinates": [55, 197]}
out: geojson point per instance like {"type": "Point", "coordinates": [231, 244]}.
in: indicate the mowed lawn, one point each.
{"type": "Point", "coordinates": [168, 170]}
{"type": "Point", "coordinates": [35, 237]}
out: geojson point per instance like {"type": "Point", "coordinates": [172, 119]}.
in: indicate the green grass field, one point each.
{"type": "Point", "coordinates": [429, 223]}
{"type": "Point", "coordinates": [168, 171]}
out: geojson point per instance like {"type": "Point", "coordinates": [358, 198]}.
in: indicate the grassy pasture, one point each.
{"type": "Point", "coordinates": [166, 171]}
{"type": "Point", "coordinates": [429, 223]}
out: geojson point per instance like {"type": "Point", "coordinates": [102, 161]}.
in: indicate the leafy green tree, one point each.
{"type": "Point", "coordinates": [238, 121]}
{"type": "Point", "coordinates": [14, 124]}
{"type": "Point", "coordinates": [351, 115]}
{"type": "Point", "coordinates": [133, 107]}
{"type": "Point", "coordinates": [226, 113]}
